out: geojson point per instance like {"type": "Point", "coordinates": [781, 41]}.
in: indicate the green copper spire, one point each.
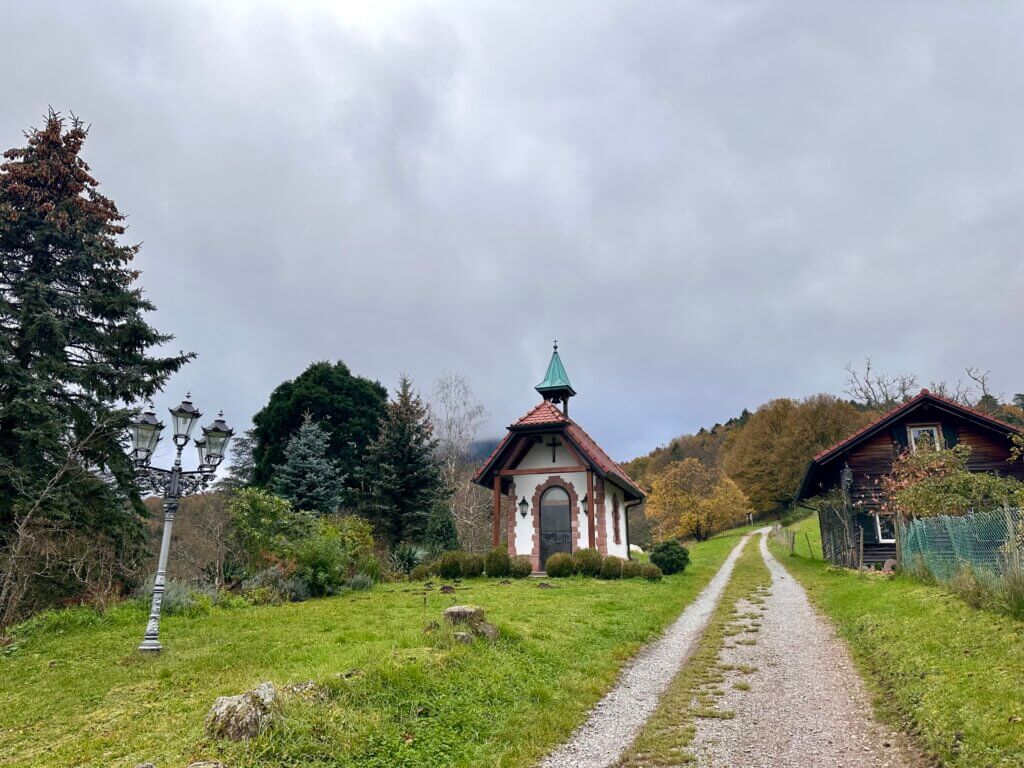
{"type": "Point", "coordinates": [556, 386]}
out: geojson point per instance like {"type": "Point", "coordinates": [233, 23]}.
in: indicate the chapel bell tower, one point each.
{"type": "Point", "coordinates": [556, 387]}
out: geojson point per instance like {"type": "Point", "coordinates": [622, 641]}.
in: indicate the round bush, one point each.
{"type": "Point", "coordinates": [360, 582]}
{"type": "Point", "coordinates": [472, 565]}
{"type": "Point", "coordinates": [421, 572]}
{"type": "Point", "coordinates": [587, 562]}
{"type": "Point", "coordinates": [449, 565]}
{"type": "Point", "coordinates": [670, 556]}
{"type": "Point", "coordinates": [521, 567]}
{"type": "Point", "coordinates": [611, 568]}
{"type": "Point", "coordinates": [650, 571]}
{"type": "Point", "coordinates": [497, 563]}
{"type": "Point", "coordinates": [631, 569]}
{"type": "Point", "coordinates": [560, 565]}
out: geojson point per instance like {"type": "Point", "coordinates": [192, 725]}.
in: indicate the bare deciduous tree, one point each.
{"type": "Point", "coordinates": [457, 416]}
{"type": "Point", "coordinates": [876, 390]}
{"type": "Point", "coordinates": [36, 543]}
{"type": "Point", "coordinates": [202, 545]}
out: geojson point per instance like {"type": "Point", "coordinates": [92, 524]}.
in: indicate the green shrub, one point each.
{"type": "Point", "coordinates": [369, 565]}
{"type": "Point", "coordinates": [631, 569]}
{"type": "Point", "coordinates": [272, 586]}
{"type": "Point", "coordinates": [178, 596]}
{"type": "Point", "coordinates": [560, 565]}
{"type": "Point", "coordinates": [360, 582]}
{"type": "Point", "coordinates": [472, 565]}
{"type": "Point", "coordinates": [421, 572]}
{"type": "Point", "coordinates": [497, 563]}
{"type": "Point", "coordinates": [650, 571]}
{"type": "Point", "coordinates": [587, 562]}
{"type": "Point", "coordinates": [611, 568]}
{"type": "Point", "coordinates": [670, 556]}
{"type": "Point", "coordinates": [322, 561]}
{"type": "Point", "coordinates": [267, 525]}
{"type": "Point", "coordinates": [405, 557]}
{"type": "Point", "coordinates": [520, 567]}
{"type": "Point", "coordinates": [449, 565]}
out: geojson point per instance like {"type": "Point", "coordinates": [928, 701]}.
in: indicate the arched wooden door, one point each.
{"type": "Point", "coordinates": [555, 524]}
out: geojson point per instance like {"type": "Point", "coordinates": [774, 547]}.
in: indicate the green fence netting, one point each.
{"type": "Point", "coordinates": [986, 541]}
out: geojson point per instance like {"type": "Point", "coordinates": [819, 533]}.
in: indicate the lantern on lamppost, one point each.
{"type": "Point", "coordinates": [174, 483]}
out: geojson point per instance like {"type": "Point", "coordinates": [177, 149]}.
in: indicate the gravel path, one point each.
{"type": "Point", "coordinates": [807, 706]}
{"type": "Point", "coordinates": [618, 717]}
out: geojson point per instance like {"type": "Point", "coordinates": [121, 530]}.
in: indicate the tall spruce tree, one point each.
{"type": "Point", "coordinates": [309, 478]}
{"type": "Point", "coordinates": [401, 476]}
{"type": "Point", "coordinates": [74, 343]}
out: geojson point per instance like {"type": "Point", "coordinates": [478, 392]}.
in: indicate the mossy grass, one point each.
{"type": "Point", "coordinates": [666, 738]}
{"type": "Point", "coordinates": [75, 693]}
{"type": "Point", "coordinates": [952, 674]}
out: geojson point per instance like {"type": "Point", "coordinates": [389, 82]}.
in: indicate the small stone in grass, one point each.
{"type": "Point", "coordinates": [242, 717]}
{"type": "Point", "coordinates": [463, 637]}
{"type": "Point", "coordinates": [546, 585]}
{"type": "Point", "coordinates": [447, 589]}
{"type": "Point", "coordinates": [207, 764]}
{"type": "Point", "coordinates": [145, 765]}
{"type": "Point", "coordinates": [432, 626]}
{"type": "Point", "coordinates": [464, 614]}
{"type": "Point", "coordinates": [484, 629]}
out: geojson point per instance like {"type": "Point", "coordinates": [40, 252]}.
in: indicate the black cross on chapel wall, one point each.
{"type": "Point", "coordinates": [553, 445]}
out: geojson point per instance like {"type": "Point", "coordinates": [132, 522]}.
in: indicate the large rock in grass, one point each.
{"type": "Point", "coordinates": [464, 614]}
{"type": "Point", "coordinates": [242, 717]}
{"type": "Point", "coordinates": [472, 617]}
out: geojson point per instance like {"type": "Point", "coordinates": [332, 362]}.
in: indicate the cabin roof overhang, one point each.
{"type": "Point", "coordinates": [941, 405]}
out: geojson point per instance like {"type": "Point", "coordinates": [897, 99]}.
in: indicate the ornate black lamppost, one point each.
{"type": "Point", "coordinates": [173, 483]}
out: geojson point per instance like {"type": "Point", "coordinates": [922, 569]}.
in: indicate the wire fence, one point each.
{"type": "Point", "coordinates": [991, 541]}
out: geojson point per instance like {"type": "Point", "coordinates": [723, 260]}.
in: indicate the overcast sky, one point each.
{"type": "Point", "coordinates": [708, 204]}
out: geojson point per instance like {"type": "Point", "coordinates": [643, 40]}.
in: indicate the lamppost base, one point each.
{"type": "Point", "coordinates": [152, 646]}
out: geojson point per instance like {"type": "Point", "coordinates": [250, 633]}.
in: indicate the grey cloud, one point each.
{"type": "Point", "coordinates": [709, 204]}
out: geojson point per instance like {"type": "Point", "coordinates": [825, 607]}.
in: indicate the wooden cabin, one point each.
{"type": "Point", "coordinates": [860, 533]}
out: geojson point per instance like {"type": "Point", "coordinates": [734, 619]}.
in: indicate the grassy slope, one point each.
{"type": "Point", "coordinates": [953, 674]}
{"type": "Point", "coordinates": [80, 696]}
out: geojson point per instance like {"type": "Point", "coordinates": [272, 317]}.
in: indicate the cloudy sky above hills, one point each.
{"type": "Point", "coordinates": [708, 204]}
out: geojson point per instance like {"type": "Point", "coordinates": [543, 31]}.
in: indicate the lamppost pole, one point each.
{"type": "Point", "coordinates": [173, 483]}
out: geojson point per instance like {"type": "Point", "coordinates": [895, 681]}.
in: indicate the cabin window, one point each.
{"type": "Point", "coordinates": [924, 437]}
{"type": "Point", "coordinates": [885, 527]}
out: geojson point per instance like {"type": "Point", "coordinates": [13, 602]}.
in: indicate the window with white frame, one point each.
{"type": "Point", "coordinates": [924, 437]}
{"type": "Point", "coordinates": [885, 527]}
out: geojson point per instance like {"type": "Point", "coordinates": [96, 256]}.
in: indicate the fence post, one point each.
{"type": "Point", "coordinates": [899, 539]}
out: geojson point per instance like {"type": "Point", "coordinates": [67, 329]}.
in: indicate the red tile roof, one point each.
{"type": "Point", "coordinates": [914, 401]}
{"type": "Point", "coordinates": [546, 413]}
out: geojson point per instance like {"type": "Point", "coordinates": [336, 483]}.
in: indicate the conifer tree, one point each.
{"type": "Point", "coordinates": [441, 534]}
{"type": "Point", "coordinates": [309, 478]}
{"type": "Point", "coordinates": [401, 475]}
{"type": "Point", "coordinates": [74, 346]}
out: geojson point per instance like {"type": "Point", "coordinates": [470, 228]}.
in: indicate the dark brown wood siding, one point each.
{"type": "Point", "coordinates": [873, 458]}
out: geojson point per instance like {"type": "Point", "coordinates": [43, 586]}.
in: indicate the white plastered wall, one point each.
{"type": "Point", "coordinates": [612, 491]}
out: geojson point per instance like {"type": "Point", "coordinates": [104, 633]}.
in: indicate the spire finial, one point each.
{"type": "Point", "coordinates": [556, 345]}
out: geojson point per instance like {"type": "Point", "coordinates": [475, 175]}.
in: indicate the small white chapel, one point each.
{"type": "Point", "coordinates": [555, 489]}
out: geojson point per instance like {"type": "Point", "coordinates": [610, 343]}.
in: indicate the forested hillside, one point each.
{"type": "Point", "coordinates": [764, 452]}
